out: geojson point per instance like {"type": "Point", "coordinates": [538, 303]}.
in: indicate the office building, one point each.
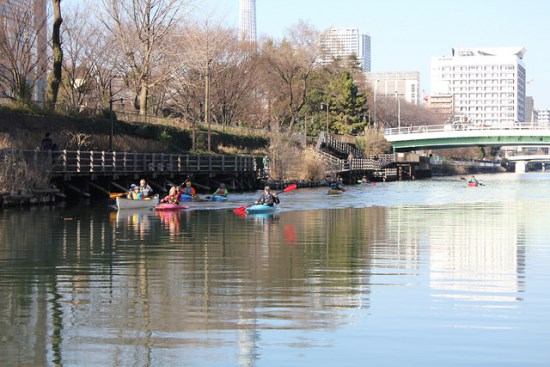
{"type": "Point", "coordinates": [342, 43]}
{"type": "Point", "coordinates": [488, 84]}
{"type": "Point", "coordinates": [247, 20]}
{"type": "Point", "coordinates": [406, 84]}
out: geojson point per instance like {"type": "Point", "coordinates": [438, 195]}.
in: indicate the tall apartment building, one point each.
{"type": "Point", "coordinates": [488, 84]}
{"type": "Point", "coordinates": [405, 83]}
{"type": "Point", "coordinates": [247, 20]}
{"type": "Point", "coordinates": [340, 43]}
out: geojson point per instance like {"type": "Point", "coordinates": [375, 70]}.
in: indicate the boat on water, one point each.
{"type": "Point", "coordinates": [188, 198]}
{"type": "Point", "coordinates": [170, 207]}
{"type": "Point", "coordinates": [335, 191]}
{"type": "Point", "coordinates": [260, 209]}
{"type": "Point", "coordinates": [473, 184]}
{"type": "Point", "coordinates": [125, 203]}
{"type": "Point", "coordinates": [219, 198]}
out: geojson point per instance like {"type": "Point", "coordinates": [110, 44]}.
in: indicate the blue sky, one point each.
{"type": "Point", "coordinates": [406, 34]}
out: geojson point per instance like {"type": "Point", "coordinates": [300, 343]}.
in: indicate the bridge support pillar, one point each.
{"type": "Point", "coordinates": [521, 166]}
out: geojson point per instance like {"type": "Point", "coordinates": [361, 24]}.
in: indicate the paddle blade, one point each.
{"type": "Point", "coordinates": [290, 188]}
{"type": "Point", "coordinates": [114, 195]}
{"type": "Point", "coordinates": [240, 210]}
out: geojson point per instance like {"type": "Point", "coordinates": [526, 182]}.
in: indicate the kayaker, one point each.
{"type": "Point", "coordinates": [188, 190]}
{"type": "Point", "coordinates": [221, 191]}
{"type": "Point", "coordinates": [135, 193]}
{"type": "Point", "coordinates": [267, 198]}
{"type": "Point", "coordinates": [365, 180]}
{"type": "Point", "coordinates": [144, 188]}
{"type": "Point", "coordinates": [173, 195]}
{"type": "Point", "coordinates": [473, 180]}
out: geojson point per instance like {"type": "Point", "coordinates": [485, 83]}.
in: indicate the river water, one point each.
{"type": "Point", "coordinates": [424, 273]}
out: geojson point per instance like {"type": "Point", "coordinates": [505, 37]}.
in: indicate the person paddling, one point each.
{"type": "Point", "coordinates": [221, 191]}
{"type": "Point", "coordinates": [267, 197]}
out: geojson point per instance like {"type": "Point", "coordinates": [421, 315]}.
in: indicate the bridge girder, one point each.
{"type": "Point", "coordinates": [438, 142]}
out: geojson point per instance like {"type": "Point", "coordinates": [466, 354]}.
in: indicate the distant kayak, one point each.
{"type": "Point", "coordinates": [219, 198]}
{"type": "Point", "coordinates": [473, 184]}
{"type": "Point", "coordinates": [257, 209]}
{"type": "Point", "coordinates": [335, 191]}
{"type": "Point", "coordinates": [168, 206]}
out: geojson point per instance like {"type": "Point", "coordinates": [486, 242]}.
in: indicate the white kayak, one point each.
{"type": "Point", "coordinates": [125, 203]}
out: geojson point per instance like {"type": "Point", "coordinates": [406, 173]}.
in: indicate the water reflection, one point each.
{"type": "Point", "coordinates": [210, 287]}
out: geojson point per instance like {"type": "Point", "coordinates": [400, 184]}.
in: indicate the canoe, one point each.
{"type": "Point", "coordinates": [187, 197]}
{"type": "Point", "coordinates": [219, 198]}
{"type": "Point", "coordinates": [125, 203]}
{"type": "Point", "coordinates": [473, 184]}
{"type": "Point", "coordinates": [334, 192]}
{"type": "Point", "coordinates": [169, 206]}
{"type": "Point", "coordinates": [257, 209]}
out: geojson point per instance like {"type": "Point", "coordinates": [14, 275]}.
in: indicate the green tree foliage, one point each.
{"type": "Point", "coordinates": [347, 106]}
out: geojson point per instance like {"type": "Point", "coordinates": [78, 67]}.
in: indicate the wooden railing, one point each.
{"type": "Point", "coordinates": [101, 162]}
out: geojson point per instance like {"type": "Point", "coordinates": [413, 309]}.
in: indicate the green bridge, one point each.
{"type": "Point", "coordinates": [456, 136]}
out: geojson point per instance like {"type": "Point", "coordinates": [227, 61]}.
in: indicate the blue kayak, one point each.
{"type": "Point", "coordinates": [187, 197]}
{"type": "Point", "coordinates": [257, 209]}
{"type": "Point", "coordinates": [219, 198]}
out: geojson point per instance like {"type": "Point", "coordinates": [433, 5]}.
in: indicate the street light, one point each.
{"type": "Point", "coordinates": [398, 113]}
{"type": "Point", "coordinates": [325, 106]}
{"type": "Point", "coordinates": [375, 88]}
{"type": "Point", "coordinates": [111, 127]}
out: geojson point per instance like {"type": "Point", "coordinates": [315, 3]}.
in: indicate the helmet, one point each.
{"type": "Point", "coordinates": [188, 183]}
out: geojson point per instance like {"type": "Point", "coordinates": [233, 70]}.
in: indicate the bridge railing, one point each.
{"type": "Point", "coordinates": [101, 162]}
{"type": "Point", "coordinates": [419, 129]}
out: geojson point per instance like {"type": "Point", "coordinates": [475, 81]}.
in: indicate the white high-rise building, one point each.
{"type": "Point", "coordinates": [340, 43]}
{"type": "Point", "coordinates": [488, 84]}
{"type": "Point", "coordinates": [247, 20]}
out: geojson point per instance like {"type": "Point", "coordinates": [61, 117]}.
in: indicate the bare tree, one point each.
{"type": "Point", "coordinates": [288, 67]}
{"type": "Point", "coordinates": [22, 49]}
{"type": "Point", "coordinates": [142, 29]}
{"type": "Point", "coordinates": [90, 62]}
{"type": "Point", "coordinates": [203, 55]}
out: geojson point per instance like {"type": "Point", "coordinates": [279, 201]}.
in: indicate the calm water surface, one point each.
{"type": "Point", "coordinates": [425, 273]}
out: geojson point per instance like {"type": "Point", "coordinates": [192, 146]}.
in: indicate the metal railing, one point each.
{"type": "Point", "coordinates": [101, 162]}
{"type": "Point", "coordinates": [418, 129]}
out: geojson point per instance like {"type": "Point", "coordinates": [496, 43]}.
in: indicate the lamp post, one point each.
{"type": "Point", "coordinates": [325, 106]}
{"type": "Point", "coordinates": [398, 112]}
{"type": "Point", "coordinates": [207, 103]}
{"type": "Point", "coordinates": [111, 117]}
{"type": "Point", "coordinates": [375, 88]}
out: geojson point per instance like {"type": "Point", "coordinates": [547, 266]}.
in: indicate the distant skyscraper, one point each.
{"type": "Point", "coordinates": [341, 43]}
{"type": "Point", "coordinates": [247, 20]}
{"type": "Point", "coordinates": [488, 84]}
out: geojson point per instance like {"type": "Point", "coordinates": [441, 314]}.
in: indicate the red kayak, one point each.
{"type": "Point", "coordinates": [473, 184]}
{"type": "Point", "coordinates": [168, 206]}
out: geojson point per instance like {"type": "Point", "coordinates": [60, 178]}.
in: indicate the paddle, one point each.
{"type": "Point", "coordinates": [114, 195]}
{"type": "Point", "coordinates": [242, 209]}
